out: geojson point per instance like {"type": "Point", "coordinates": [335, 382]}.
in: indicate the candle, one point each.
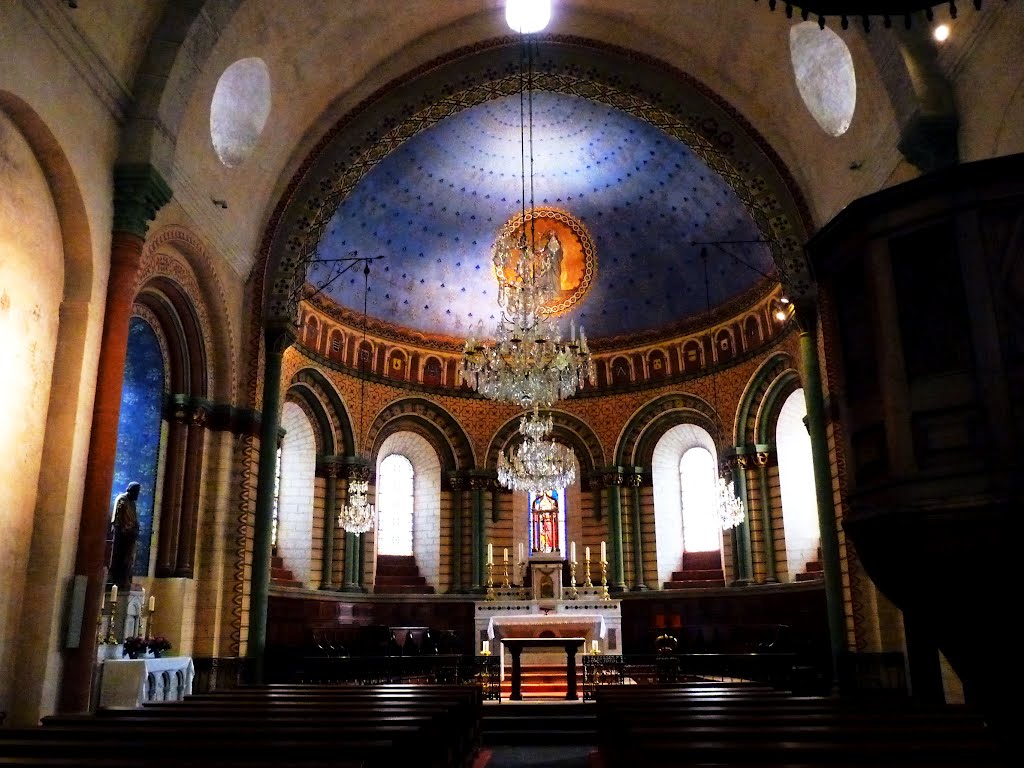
{"type": "Point", "coordinates": [152, 603]}
{"type": "Point", "coordinates": [586, 551]}
{"type": "Point", "coordinates": [113, 594]}
{"type": "Point", "coordinates": [103, 599]}
{"type": "Point", "coordinates": [490, 554]}
{"type": "Point", "coordinates": [593, 646]}
{"type": "Point", "coordinates": [604, 553]}
{"type": "Point", "coordinates": [572, 551]}
{"type": "Point", "coordinates": [142, 600]}
{"type": "Point", "coordinates": [485, 648]}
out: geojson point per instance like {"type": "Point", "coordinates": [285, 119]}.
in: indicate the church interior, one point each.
{"type": "Point", "coordinates": [416, 328]}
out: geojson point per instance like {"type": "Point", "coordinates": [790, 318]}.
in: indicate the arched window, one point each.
{"type": "Point", "coordinates": [547, 522]}
{"type": "Point", "coordinates": [395, 504]}
{"type": "Point", "coordinates": [702, 530]}
{"type": "Point", "coordinates": [796, 479]}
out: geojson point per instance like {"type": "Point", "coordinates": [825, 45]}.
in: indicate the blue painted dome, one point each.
{"type": "Point", "coordinates": [434, 206]}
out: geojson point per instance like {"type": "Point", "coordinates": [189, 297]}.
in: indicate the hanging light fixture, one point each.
{"type": "Point", "coordinates": [537, 464]}
{"type": "Point", "coordinates": [729, 506]}
{"type": "Point", "coordinates": [357, 516]}
{"type": "Point", "coordinates": [527, 362]}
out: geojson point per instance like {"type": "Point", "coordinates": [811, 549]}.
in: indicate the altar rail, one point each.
{"type": "Point", "coordinates": [776, 669]}
{"type": "Point", "coordinates": [447, 669]}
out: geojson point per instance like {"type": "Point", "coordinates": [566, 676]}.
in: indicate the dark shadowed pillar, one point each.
{"type": "Point", "coordinates": [139, 192]}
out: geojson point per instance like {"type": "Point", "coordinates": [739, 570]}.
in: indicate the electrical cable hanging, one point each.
{"type": "Point", "coordinates": [729, 506]}
{"type": "Point", "coordinates": [357, 516]}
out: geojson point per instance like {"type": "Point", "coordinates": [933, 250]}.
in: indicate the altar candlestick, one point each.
{"type": "Point", "coordinates": [152, 603]}
{"type": "Point", "coordinates": [485, 648]}
{"type": "Point", "coordinates": [490, 554]}
{"type": "Point", "coordinates": [506, 555]}
{"type": "Point", "coordinates": [594, 647]}
{"type": "Point", "coordinates": [572, 551]}
{"type": "Point", "coordinates": [586, 552]}
{"type": "Point", "coordinates": [113, 594]}
{"type": "Point", "coordinates": [604, 553]}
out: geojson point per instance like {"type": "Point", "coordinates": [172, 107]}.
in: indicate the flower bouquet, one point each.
{"type": "Point", "coordinates": [158, 645]}
{"type": "Point", "coordinates": [133, 646]}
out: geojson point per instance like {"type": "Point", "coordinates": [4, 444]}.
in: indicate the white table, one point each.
{"type": "Point", "coordinates": [132, 682]}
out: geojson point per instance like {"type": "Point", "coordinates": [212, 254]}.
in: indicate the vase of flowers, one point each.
{"type": "Point", "coordinates": [134, 646]}
{"type": "Point", "coordinates": [158, 646]}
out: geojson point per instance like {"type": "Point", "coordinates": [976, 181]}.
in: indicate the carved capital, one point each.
{"type": "Point", "coordinates": [139, 192]}
{"type": "Point", "coordinates": [457, 482]}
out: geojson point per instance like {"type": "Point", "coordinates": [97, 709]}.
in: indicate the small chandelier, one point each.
{"type": "Point", "coordinates": [357, 516]}
{"type": "Point", "coordinates": [729, 506]}
{"type": "Point", "coordinates": [537, 465]}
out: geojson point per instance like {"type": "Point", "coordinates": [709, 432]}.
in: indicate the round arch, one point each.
{"type": "Point", "coordinates": [338, 421]}
{"type": "Point", "coordinates": [429, 420]}
{"type": "Point", "coordinates": [754, 394]}
{"type": "Point", "coordinates": [646, 427]}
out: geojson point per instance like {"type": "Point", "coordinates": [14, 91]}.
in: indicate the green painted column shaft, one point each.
{"type": "Point", "coordinates": [330, 520]}
{"type": "Point", "coordinates": [771, 572]}
{"type": "Point", "coordinates": [741, 533]}
{"type": "Point", "coordinates": [815, 401]}
{"type": "Point", "coordinates": [479, 547]}
{"type": "Point", "coordinates": [457, 497]}
{"type": "Point", "coordinates": [638, 547]}
{"type": "Point", "coordinates": [277, 341]}
{"type": "Point", "coordinates": [351, 562]}
{"type": "Point", "coordinates": [618, 574]}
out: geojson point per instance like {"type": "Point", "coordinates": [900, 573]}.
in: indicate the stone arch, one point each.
{"type": "Point", "coordinates": [181, 326]}
{"type": "Point", "coordinates": [190, 266]}
{"type": "Point", "coordinates": [52, 502]}
{"type": "Point", "coordinates": [429, 420]}
{"type": "Point", "coordinates": [646, 426]}
{"type": "Point", "coordinates": [306, 398]}
{"type": "Point", "coordinates": [568, 429]}
{"type": "Point", "coordinates": [780, 388]}
{"type": "Point", "coordinates": [317, 385]}
{"type": "Point", "coordinates": [754, 395]}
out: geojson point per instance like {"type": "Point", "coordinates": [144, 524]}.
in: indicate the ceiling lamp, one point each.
{"type": "Point", "coordinates": [527, 16]}
{"type": "Point", "coordinates": [537, 465]}
{"type": "Point", "coordinates": [729, 506]}
{"type": "Point", "coordinates": [527, 363]}
{"type": "Point", "coordinates": [357, 516]}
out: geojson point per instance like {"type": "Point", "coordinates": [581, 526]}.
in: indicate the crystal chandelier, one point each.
{"type": "Point", "coordinates": [730, 506]}
{"type": "Point", "coordinates": [357, 515]}
{"type": "Point", "coordinates": [527, 362]}
{"type": "Point", "coordinates": [537, 464]}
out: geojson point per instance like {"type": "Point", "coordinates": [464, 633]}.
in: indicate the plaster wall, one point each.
{"type": "Point", "coordinates": [31, 286]}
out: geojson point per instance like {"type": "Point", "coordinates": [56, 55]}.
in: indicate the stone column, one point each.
{"type": "Point", "coordinates": [478, 485]}
{"type": "Point", "coordinates": [277, 339]}
{"type": "Point", "coordinates": [741, 533]}
{"type": "Point", "coordinates": [139, 192]}
{"type": "Point", "coordinates": [807, 317]}
{"type": "Point", "coordinates": [170, 511]}
{"type": "Point", "coordinates": [458, 484]}
{"type": "Point", "coordinates": [635, 480]}
{"type": "Point", "coordinates": [763, 460]}
{"type": "Point", "coordinates": [613, 478]}
{"type": "Point", "coordinates": [195, 444]}
{"type": "Point", "coordinates": [331, 470]}
{"type": "Point", "coordinates": [596, 484]}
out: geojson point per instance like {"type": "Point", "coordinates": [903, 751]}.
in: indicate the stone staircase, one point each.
{"type": "Point", "coordinates": [523, 723]}
{"type": "Point", "coordinates": [281, 576]}
{"type": "Point", "coordinates": [813, 571]}
{"type": "Point", "coordinates": [542, 681]}
{"type": "Point", "coordinates": [399, 575]}
{"type": "Point", "coordinates": [700, 570]}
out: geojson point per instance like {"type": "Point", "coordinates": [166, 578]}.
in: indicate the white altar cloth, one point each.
{"type": "Point", "coordinates": [132, 682]}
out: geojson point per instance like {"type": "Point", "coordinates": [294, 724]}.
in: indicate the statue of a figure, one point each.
{"type": "Point", "coordinates": [552, 273]}
{"type": "Point", "coordinates": [124, 536]}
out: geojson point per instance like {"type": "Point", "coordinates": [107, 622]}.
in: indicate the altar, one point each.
{"type": "Point", "coordinates": [133, 682]}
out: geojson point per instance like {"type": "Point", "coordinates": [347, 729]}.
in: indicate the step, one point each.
{"type": "Point", "coordinates": [399, 579]}
{"type": "Point", "coordinates": [536, 723]}
{"type": "Point", "coordinates": [702, 560]}
{"type": "Point", "coordinates": [403, 589]}
{"type": "Point", "coordinates": [695, 575]}
{"type": "Point", "coordinates": [818, 576]}
{"type": "Point", "coordinates": [708, 584]}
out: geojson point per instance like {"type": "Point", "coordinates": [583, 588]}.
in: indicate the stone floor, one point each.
{"type": "Point", "coordinates": [540, 757]}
